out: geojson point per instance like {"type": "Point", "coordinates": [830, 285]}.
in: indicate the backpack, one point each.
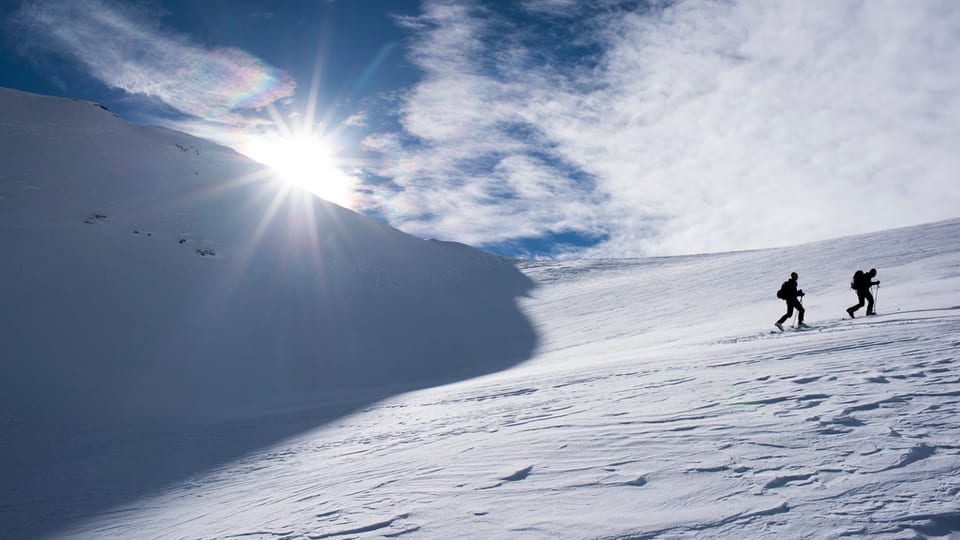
{"type": "Point", "coordinates": [780, 294]}
{"type": "Point", "coordinates": [857, 278]}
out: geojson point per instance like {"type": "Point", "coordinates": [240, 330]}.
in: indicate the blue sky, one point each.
{"type": "Point", "coordinates": [544, 127]}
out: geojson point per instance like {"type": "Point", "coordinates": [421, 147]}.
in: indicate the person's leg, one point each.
{"type": "Point", "coordinates": [799, 307]}
{"type": "Point", "coordinates": [788, 314]}
{"type": "Point", "coordinates": [860, 298]}
{"type": "Point", "coordinates": [869, 297]}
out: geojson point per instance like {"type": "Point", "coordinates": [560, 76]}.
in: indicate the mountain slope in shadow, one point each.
{"type": "Point", "coordinates": [168, 307]}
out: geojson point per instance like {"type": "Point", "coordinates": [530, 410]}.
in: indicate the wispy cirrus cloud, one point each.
{"type": "Point", "coordinates": [120, 46]}
{"type": "Point", "coordinates": [356, 120]}
{"type": "Point", "coordinates": [679, 127]}
{"type": "Point", "coordinates": [468, 164]}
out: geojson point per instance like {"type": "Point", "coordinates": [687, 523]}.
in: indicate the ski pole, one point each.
{"type": "Point", "coordinates": [795, 315]}
{"type": "Point", "coordinates": [876, 298]}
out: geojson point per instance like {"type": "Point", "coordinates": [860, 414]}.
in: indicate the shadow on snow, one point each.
{"type": "Point", "coordinates": [121, 379]}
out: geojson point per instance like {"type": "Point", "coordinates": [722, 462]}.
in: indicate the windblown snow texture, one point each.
{"type": "Point", "coordinates": [653, 403]}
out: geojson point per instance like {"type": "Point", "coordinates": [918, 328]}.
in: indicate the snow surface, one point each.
{"type": "Point", "coordinates": [325, 376]}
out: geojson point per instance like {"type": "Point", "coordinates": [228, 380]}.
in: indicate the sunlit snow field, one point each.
{"type": "Point", "coordinates": [661, 403]}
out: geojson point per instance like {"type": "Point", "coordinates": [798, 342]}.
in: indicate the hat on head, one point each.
{"type": "Point", "coordinates": [794, 275]}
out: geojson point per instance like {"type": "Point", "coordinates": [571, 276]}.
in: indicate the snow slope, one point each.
{"type": "Point", "coordinates": [157, 290]}
{"type": "Point", "coordinates": [646, 398]}
{"type": "Point", "coordinates": [658, 405]}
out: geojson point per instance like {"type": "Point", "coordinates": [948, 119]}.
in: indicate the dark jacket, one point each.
{"type": "Point", "coordinates": [789, 291]}
{"type": "Point", "coordinates": [863, 282]}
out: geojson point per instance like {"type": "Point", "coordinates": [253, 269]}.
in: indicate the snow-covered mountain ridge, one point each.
{"type": "Point", "coordinates": [138, 247]}
{"type": "Point", "coordinates": [320, 375]}
{"type": "Point", "coordinates": [153, 280]}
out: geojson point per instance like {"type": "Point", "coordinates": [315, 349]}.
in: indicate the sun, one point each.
{"type": "Point", "coordinates": [308, 163]}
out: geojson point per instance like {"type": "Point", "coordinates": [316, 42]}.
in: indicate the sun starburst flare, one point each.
{"type": "Point", "coordinates": [306, 162]}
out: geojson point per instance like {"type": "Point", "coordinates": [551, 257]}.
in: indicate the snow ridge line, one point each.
{"type": "Point", "coordinates": [365, 529]}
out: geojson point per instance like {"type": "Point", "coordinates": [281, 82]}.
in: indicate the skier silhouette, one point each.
{"type": "Point", "coordinates": [862, 281]}
{"type": "Point", "coordinates": [789, 293]}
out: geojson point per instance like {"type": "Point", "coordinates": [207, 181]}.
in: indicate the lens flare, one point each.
{"type": "Point", "coordinates": [308, 163]}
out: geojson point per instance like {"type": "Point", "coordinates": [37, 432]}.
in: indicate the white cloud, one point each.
{"type": "Point", "coordinates": [699, 126]}
{"type": "Point", "coordinates": [122, 48]}
{"type": "Point", "coordinates": [476, 174]}
{"type": "Point", "coordinates": [356, 120]}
